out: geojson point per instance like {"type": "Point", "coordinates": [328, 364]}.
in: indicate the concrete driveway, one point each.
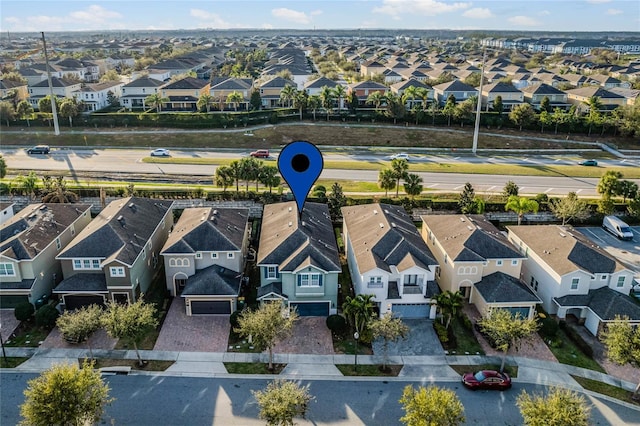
{"type": "Point", "coordinates": [421, 340]}
{"type": "Point", "coordinates": [200, 333]}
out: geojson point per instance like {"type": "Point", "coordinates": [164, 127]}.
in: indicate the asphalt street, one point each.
{"type": "Point", "coordinates": [162, 400]}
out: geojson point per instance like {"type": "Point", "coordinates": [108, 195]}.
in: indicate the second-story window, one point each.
{"type": "Point", "coordinates": [620, 282]}
{"type": "Point", "coordinates": [117, 271]}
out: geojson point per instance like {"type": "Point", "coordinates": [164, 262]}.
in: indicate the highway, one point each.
{"type": "Point", "coordinates": [126, 161]}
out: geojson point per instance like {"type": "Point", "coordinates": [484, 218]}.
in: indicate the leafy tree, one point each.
{"type": "Point", "coordinates": [336, 200]}
{"type": "Point", "coordinates": [623, 344]}
{"type": "Point", "coordinates": [69, 109]}
{"type": "Point", "coordinates": [521, 205]}
{"type": "Point", "coordinates": [29, 184]}
{"type": "Point", "coordinates": [112, 99]}
{"type": "Point", "coordinates": [498, 106]}
{"type": "Point", "coordinates": [24, 110]}
{"type": "Point", "coordinates": [55, 191]}
{"type": "Point", "coordinates": [266, 325]}
{"type": "Point", "coordinates": [7, 112]}
{"type": "Point", "coordinates": [545, 105]}
{"type": "Point", "coordinates": [395, 107]}
{"type": "Point", "coordinates": [464, 111]}
{"type": "Point", "coordinates": [204, 102]}
{"type": "Point", "coordinates": [44, 104]}
{"type": "Point", "coordinates": [223, 177]}
{"type": "Point", "coordinates": [389, 329]}
{"type": "Point", "coordinates": [449, 108]}
{"type": "Point", "coordinates": [65, 395]}
{"type": "Point", "coordinates": [24, 311]}
{"type": "Point", "coordinates": [399, 167]}
{"type": "Point", "coordinates": [413, 185]}
{"type": "Point", "coordinates": [431, 406]}
{"type": "Point", "coordinates": [269, 176]}
{"type": "Point", "coordinates": [281, 401]}
{"type": "Point", "coordinates": [473, 79]}
{"type": "Point", "coordinates": [570, 208]}
{"type": "Point", "coordinates": [79, 325]}
{"type": "Point", "coordinates": [634, 206]}
{"type": "Point", "coordinates": [466, 202]}
{"type": "Point", "coordinates": [627, 189]}
{"type": "Point", "coordinates": [255, 100]}
{"type": "Point", "coordinates": [359, 310]}
{"type": "Point", "coordinates": [409, 97]}
{"type": "Point", "coordinates": [506, 329]}
{"type": "Point", "coordinates": [609, 184]}
{"type": "Point", "coordinates": [110, 75]}
{"type": "Point", "coordinates": [249, 168]}
{"type": "Point", "coordinates": [352, 101]}
{"type": "Point", "coordinates": [386, 180]}
{"type": "Point", "coordinates": [129, 322]}
{"type": "Point", "coordinates": [558, 117]}
{"type": "Point", "coordinates": [155, 101]}
{"type": "Point", "coordinates": [320, 192]}
{"type": "Point", "coordinates": [594, 116]}
{"type": "Point", "coordinates": [560, 407]}
{"type": "Point", "coordinates": [522, 115]}
{"type": "Point", "coordinates": [234, 98]}
{"type": "Point", "coordinates": [510, 189]}
{"type": "Point", "coordinates": [605, 206]}
{"type": "Point", "coordinates": [449, 303]}
{"type": "Point", "coordinates": [13, 76]}
{"type": "Point", "coordinates": [3, 167]}
{"type": "Point", "coordinates": [46, 316]}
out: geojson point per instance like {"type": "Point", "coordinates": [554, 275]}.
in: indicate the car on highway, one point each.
{"type": "Point", "coordinates": [588, 163]}
{"type": "Point", "coordinates": [160, 152]}
{"type": "Point", "coordinates": [260, 153]}
{"type": "Point", "coordinates": [486, 379]}
{"type": "Point", "coordinates": [400, 156]}
{"type": "Point", "coordinates": [39, 149]}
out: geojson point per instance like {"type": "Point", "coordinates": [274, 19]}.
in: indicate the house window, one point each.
{"type": "Point", "coordinates": [309, 280]}
{"type": "Point", "coordinates": [117, 271]}
{"type": "Point", "coordinates": [230, 255]}
{"type": "Point", "coordinates": [375, 282]}
{"type": "Point", "coordinates": [574, 283]}
{"type": "Point", "coordinates": [79, 264]}
{"type": "Point", "coordinates": [198, 255]}
{"type": "Point", "coordinates": [272, 272]}
{"type": "Point", "coordinates": [6, 270]}
{"type": "Point", "coordinates": [498, 262]}
{"type": "Point", "coordinates": [603, 277]}
{"type": "Point", "coordinates": [58, 244]}
{"type": "Point", "coordinates": [214, 255]}
{"type": "Point", "coordinates": [514, 262]}
{"type": "Point", "coordinates": [411, 279]}
{"type": "Point", "coordinates": [620, 282]}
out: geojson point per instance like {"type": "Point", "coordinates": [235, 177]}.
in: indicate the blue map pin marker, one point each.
{"type": "Point", "coordinates": [300, 164]}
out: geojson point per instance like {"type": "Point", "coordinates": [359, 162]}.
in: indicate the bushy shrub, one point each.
{"type": "Point", "coordinates": [24, 311]}
{"type": "Point", "coordinates": [233, 318]}
{"type": "Point", "coordinates": [336, 323]}
{"type": "Point", "coordinates": [441, 331]}
{"type": "Point", "coordinates": [46, 316]}
{"type": "Point", "coordinates": [549, 328]}
{"type": "Point", "coordinates": [466, 322]}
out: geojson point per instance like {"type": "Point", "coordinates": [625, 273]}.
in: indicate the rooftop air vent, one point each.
{"type": "Point", "coordinates": [381, 225]}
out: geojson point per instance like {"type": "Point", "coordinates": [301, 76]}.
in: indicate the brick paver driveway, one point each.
{"type": "Point", "coordinates": [200, 333]}
{"type": "Point", "coordinates": [310, 336]}
{"type": "Point", "coordinates": [9, 323]}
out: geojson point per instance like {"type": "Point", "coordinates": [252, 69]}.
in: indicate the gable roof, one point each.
{"type": "Point", "coordinates": [318, 83]}
{"type": "Point", "coordinates": [604, 302]}
{"type": "Point", "coordinates": [565, 250]}
{"type": "Point", "coordinates": [36, 226]}
{"type": "Point", "coordinates": [187, 83]}
{"type": "Point", "coordinates": [278, 82]}
{"type": "Point", "coordinates": [455, 86]}
{"type": "Point", "coordinates": [382, 235]}
{"type": "Point", "coordinates": [589, 91]}
{"type": "Point", "coordinates": [541, 89]}
{"type": "Point", "coordinates": [293, 241]}
{"type": "Point", "coordinates": [470, 238]}
{"type": "Point", "coordinates": [207, 229]}
{"type": "Point", "coordinates": [500, 87]}
{"type": "Point", "coordinates": [214, 280]}
{"type": "Point", "coordinates": [144, 82]}
{"type": "Point", "coordinates": [120, 231]}
{"type": "Point", "coordinates": [403, 85]}
{"type": "Point", "coordinates": [56, 82]}
{"type": "Point", "coordinates": [234, 84]}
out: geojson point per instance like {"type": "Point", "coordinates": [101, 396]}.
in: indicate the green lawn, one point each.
{"type": "Point", "coordinates": [252, 368]}
{"type": "Point", "coordinates": [28, 335]}
{"type": "Point", "coordinates": [511, 370]}
{"type": "Point", "coordinates": [11, 362]}
{"type": "Point", "coordinates": [606, 389]}
{"type": "Point", "coordinates": [570, 354]}
{"type": "Point", "coordinates": [369, 370]}
{"type": "Point", "coordinates": [465, 339]}
{"type": "Point", "coordinates": [150, 365]}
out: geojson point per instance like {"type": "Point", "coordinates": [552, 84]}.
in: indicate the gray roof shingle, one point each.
{"type": "Point", "coordinates": [502, 288]}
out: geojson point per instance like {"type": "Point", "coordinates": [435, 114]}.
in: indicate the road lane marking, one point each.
{"type": "Point", "coordinates": [549, 190]}
{"type": "Point", "coordinates": [578, 191]}
{"type": "Point", "coordinates": [491, 188]}
{"type": "Point", "coordinates": [458, 187]}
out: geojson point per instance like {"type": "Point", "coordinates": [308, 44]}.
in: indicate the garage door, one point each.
{"type": "Point", "coordinates": [411, 310]}
{"type": "Point", "coordinates": [77, 302]}
{"type": "Point", "coordinates": [210, 307]}
{"type": "Point", "coordinates": [311, 309]}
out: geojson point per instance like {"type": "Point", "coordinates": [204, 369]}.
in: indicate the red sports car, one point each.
{"type": "Point", "coordinates": [486, 379]}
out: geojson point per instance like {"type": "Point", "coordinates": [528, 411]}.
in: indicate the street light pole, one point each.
{"type": "Point", "coordinates": [54, 112]}
{"type": "Point", "coordinates": [476, 130]}
{"type": "Point", "coordinates": [4, 353]}
{"type": "Point", "coordinates": [356, 336]}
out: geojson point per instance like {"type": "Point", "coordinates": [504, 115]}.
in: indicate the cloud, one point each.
{"type": "Point", "coordinates": [478, 13]}
{"type": "Point", "coordinates": [93, 17]}
{"type": "Point", "coordinates": [95, 13]}
{"type": "Point", "coordinates": [418, 7]}
{"type": "Point", "coordinates": [614, 12]}
{"type": "Point", "coordinates": [210, 19]}
{"type": "Point", "coordinates": [598, 1]}
{"type": "Point", "coordinates": [291, 15]}
{"type": "Point", "coordinates": [544, 13]}
{"type": "Point", "coordinates": [316, 13]}
{"type": "Point", "coordinates": [524, 21]}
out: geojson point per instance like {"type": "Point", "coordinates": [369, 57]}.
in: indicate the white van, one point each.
{"type": "Point", "coordinates": [617, 227]}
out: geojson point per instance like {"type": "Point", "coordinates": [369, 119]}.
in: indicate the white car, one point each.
{"type": "Point", "coordinates": [160, 152]}
{"type": "Point", "coordinates": [400, 156]}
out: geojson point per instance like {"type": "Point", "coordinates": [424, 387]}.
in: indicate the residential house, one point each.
{"type": "Point", "coordinates": [609, 82]}
{"type": "Point", "coordinates": [62, 88]}
{"type": "Point", "coordinates": [371, 68]}
{"type": "Point", "coordinates": [580, 98]}
{"type": "Point", "coordinates": [536, 93]}
{"type": "Point", "coordinates": [29, 243]}
{"type": "Point", "coordinates": [573, 276]}
{"type": "Point", "coordinates": [509, 94]}
{"type": "Point", "coordinates": [116, 256]}
{"type": "Point", "coordinates": [6, 211]}
{"type": "Point", "coordinates": [204, 259]}
{"type": "Point", "coordinates": [314, 87]}
{"type": "Point", "coordinates": [476, 259]}
{"type": "Point", "coordinates": [388, 258]}
{"type": "Point", "coordinates": [135, 93]}
{"type": "Point", "coordinates": [365, 88]}
{"type": "Point", "coordinates": [458, 89]}
{"type": "Point", "coordinates": [630, 95]}
{"type": "Point", "coordinates": [222, 88]}
{"type": "Point", "coordinates": [14, 91]}
{"type": "Point", "coordinates": [400, 88]}
{"type": "Point", "coordinates": [298, 258]}
{"type": "Point", "coordinates": [97, 96]}
{"type": "Point", "coordinates": [183, 94]}
{"type": "Point", "coordinates": [270, 92]}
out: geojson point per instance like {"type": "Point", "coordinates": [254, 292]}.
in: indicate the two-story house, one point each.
{"type": "Point", "coordinates": [461, 91]}
{"type": "Point", "coordinates": [270, 92]}
{"type": "Point", "coordinates": [400, 88]}
{"type": "Point", "coordinates": [29, 244]}
{"type": "Point", "coordinates": [534, 94]}
{"type": "Point", "coordinates": [62, 88]}
{"type": "Point", "coordinates": [365, 88]}
{"type": "Point", "coordinates": [580, 98]}
{"type": "Point", "coordinates": [476, 259]}
{"type": "Point", "coordinates": [221, 89]}
{"type": "Point", "coordinates": [135, 92]}
{"type": "Point", "coordinates": [95, 96]}
{"type": "Point", "coordinates": [298, 258]}
{"type": "Point", "coordinates": [573, 276]}
{"type": "Point", "coordinates": [388, 258]}
{"type": "Point", "coordinates": [508, 93]}
{"type": "Point", "coordinates": [204, 259]}
{"type": "Point", "coordinates": [183, 94]}
{"type": "Point", "coordinates": [116, 256]}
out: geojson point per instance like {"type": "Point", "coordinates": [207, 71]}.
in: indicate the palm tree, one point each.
{"type": "Point", "coordinates": [359, 310]}
{"type": "Point", "coordinates": [410, 94]}
{"type": "Point", "coordinates": [326, 96]}
{"type": "Point", "coordinates": [521, 205]}
{"type": "Point", "coordinates": [155, 101]}
{"type": "Point", "coordinates": [413, 185]}
{"type": "Point", "coordinates": [287, 94]}
{"type": "Point", "coordinates": [314, 102]}
{"type": "Point", "coordinates": [300, 101]}
{"type": "Point", "coordinates": [449, 302]}
{"type": "Point", "coordinates": [204, 102]}
{"type": "Point", "coordinates": [339, 92]}
{"type": "Point", "coordinates": [376, 98]}
{"type": "Point", "coordinates": [235, 172]}
{"type": "Point", "coordinates": [399, 168]}
{"type": "Point", "coordinates": [223, 178]}
{"type": "Point", "coordinates": [386, 180]}
{"type": "Point", "coordinates": [59, 192]}
{"type": "Point", "coordinates": [449, 108]}
{"type": "Point", "coordinates": [249, 167]}
{"type": "Point", "coordinates": [268, 176]}
{"type": "Point", "coordinates": [69, 109]}
{"type": "Point", "coordinates": [235, 98]}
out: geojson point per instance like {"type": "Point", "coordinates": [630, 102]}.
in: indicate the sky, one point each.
{"type": "Point", "coordinates": [530, 15]}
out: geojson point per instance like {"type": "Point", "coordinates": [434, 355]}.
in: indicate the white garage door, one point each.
{"type": "Point", "coordinates": [411, 310]}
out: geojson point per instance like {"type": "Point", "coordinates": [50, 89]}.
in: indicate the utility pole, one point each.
{"type": "Point", "coordinates": [476, 130]}
{"type": "Point", "coordinates": [54, 111]}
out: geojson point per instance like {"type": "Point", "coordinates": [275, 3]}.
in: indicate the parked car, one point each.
{"type": "Point", "coordinates": [160, 152]}
{"type": "Point", "coordinates": [588, 163]}
{"type": "Point", "coordinates": [260, 153]}
{"type": "Point", "coordinates": [486, 379]}
{"type": "Point", "coordinates": [39, 149]}
{"type": "Point", "coordinates": [400, 156]}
